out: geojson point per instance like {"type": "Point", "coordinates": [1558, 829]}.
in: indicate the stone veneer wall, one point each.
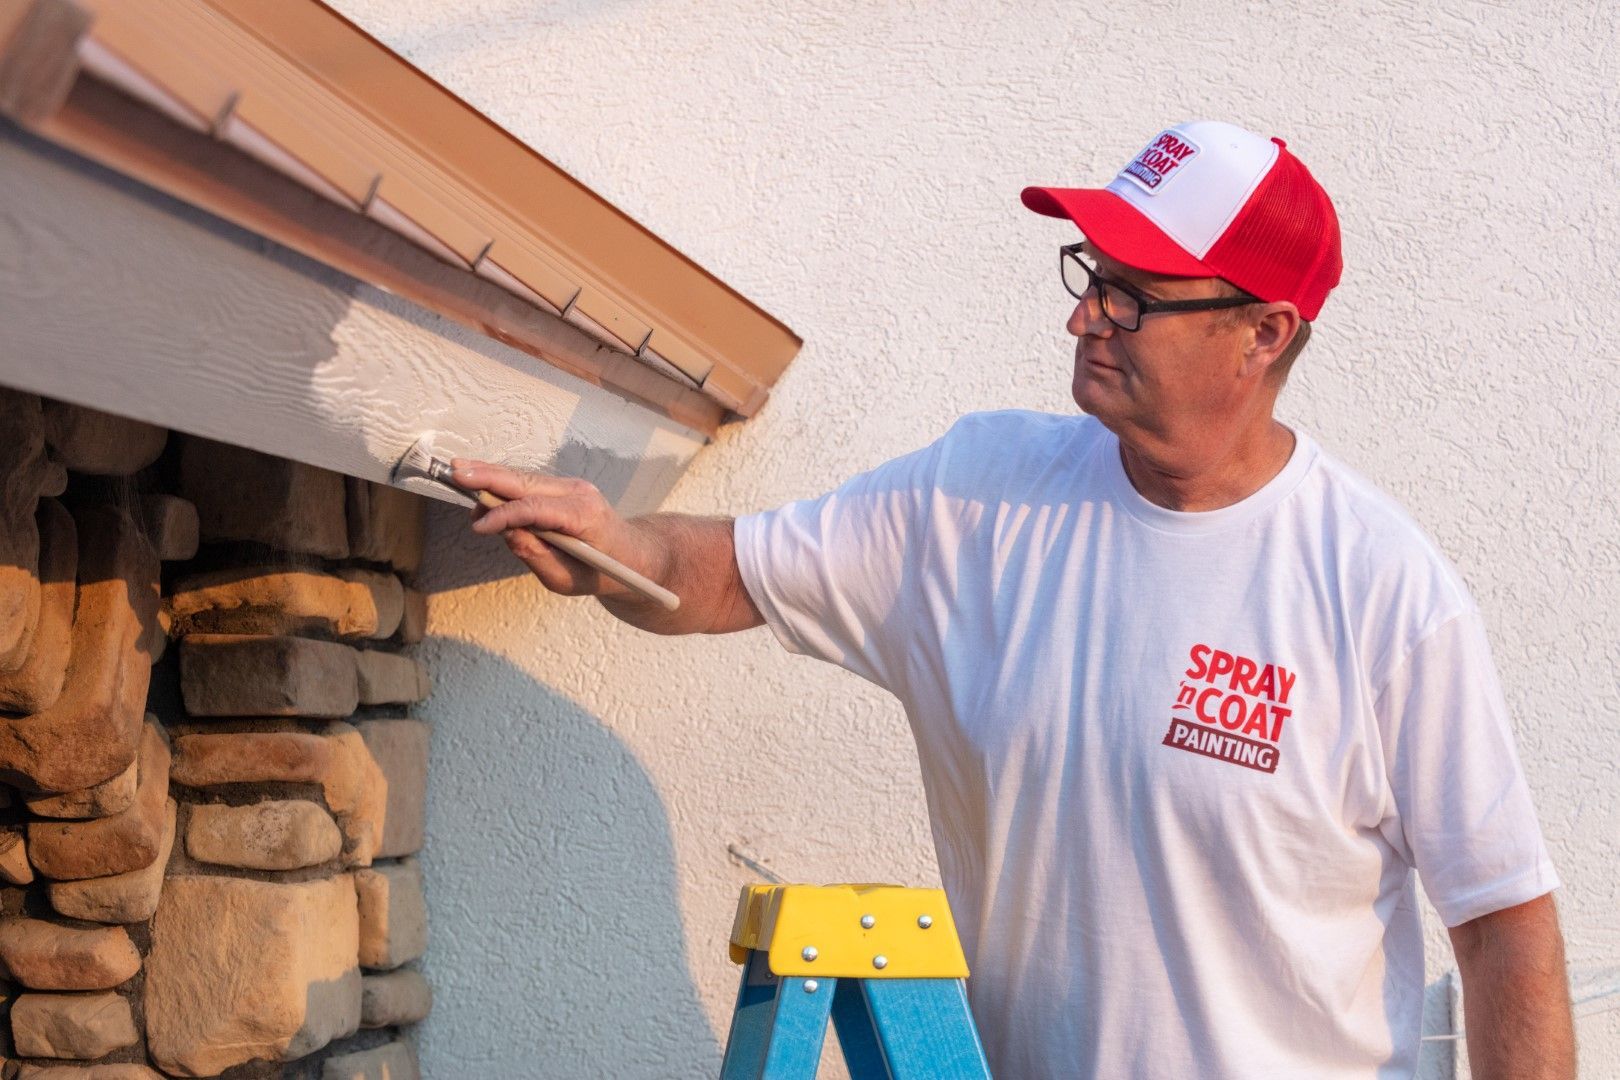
{"type": "Point", "coordinates": [207, 849]}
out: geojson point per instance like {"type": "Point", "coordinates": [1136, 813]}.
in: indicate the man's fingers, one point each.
{"type": "Point", "coordinates": [555, 570]}
{"type": "Point", "coordinates": [567, 505]}
{"type": "Point", "coordinates": [526, 513]}
{"type": "Point", "coordinates": [507, 483]}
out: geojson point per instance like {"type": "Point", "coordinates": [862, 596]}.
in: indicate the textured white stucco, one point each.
{"type": "Point", "coordinates": [854, 167]}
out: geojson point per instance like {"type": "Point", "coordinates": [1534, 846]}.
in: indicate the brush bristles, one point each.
{"type": "Point", "coordinates": [420, 462]}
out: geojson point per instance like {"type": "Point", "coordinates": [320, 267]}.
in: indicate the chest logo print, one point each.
{"type": "Point", "coordinates": [1231, 708]}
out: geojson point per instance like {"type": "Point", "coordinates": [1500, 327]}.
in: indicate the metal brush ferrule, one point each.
{"type": "Point", "coordinates": [441, 472]}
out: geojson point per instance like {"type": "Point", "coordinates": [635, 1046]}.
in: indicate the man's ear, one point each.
{"type": "Point", "coordinates": [1273, 330]}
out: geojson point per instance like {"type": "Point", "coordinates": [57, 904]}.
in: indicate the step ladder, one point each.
{"type": "Point", "coordinates": [882, 961]}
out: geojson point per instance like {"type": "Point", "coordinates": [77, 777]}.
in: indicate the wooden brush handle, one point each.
{"type": "Point", "coordinates": [588, 555]}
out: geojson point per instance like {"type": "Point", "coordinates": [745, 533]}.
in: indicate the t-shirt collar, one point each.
{"type": "Point", "coordinates": [1125, 495]}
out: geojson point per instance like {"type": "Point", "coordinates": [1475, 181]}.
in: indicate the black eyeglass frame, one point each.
{"type": "Point", "coordinates": [1145, 305]}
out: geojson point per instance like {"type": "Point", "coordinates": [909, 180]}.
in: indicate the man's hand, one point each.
{"type": "Point", "coordinates": [1516, 994]}
{"type": "Point", "coordinates": [562, 504]}
{"type": "Point", "coordinates": [692, 557]}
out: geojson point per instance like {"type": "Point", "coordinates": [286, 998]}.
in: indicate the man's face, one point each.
{"type": "Point", "coordinates": [1171, 377]}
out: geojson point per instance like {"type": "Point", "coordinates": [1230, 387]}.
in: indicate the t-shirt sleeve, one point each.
{"type": "Point", "coordinates": [1463, 814]}
{"type": "Point", "coordinates": [829, 573]}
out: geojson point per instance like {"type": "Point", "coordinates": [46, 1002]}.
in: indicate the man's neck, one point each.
{"type": "Point", "coordinates": [1196, 479]}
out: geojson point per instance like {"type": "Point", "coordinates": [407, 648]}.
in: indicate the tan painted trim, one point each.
{"type": "Point", "coordinates": [115, 130]}
{"type": "Point", "coordinates": [37, 59]}
{"type": "Point", "coordinates": [298, 87]}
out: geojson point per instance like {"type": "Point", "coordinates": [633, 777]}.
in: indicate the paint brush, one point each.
{"type": "Point", "coordinates": [419, 463]}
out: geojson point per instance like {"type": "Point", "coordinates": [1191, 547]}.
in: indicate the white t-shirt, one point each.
{"type": "Point", "coordinates": [1180, 766]}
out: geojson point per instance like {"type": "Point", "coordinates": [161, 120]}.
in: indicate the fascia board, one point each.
{"type": "Point", "coordinates": [348, 110]}
{"type": "Point", "coordinates": [137, 304]}
{"type": "Point", "coordinates": [618, 257]}
{"type": "Point", "coordinates": [295, 86]}
{"type": "Point", "coordinates": [116, 131]}
{"type": "Point", "coordinates": [38, 64]}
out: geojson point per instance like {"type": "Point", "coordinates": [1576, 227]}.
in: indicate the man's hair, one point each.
{"type": "Point", "coordinates": [1284, 363]}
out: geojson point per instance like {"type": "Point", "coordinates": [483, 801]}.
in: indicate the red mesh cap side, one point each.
{"type": "Point", "coordinates": [1284, 242]}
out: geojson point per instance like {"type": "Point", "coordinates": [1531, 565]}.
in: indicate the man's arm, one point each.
{"type": "Point", "coordinates": [1516, 994]}
{"type": "Point", "coordinates": [693, 557]}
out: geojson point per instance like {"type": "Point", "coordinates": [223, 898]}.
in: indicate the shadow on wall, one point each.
{"type": "Point", "coordinates": [459, 558]}
{"type": "Point", "coordinates": [558, 947]}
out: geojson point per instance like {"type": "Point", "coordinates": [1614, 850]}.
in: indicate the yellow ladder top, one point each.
{"type": "Point", "coordinates": [849, 931]}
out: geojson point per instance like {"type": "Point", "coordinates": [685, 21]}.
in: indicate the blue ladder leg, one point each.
{"type": "Point", "coordinates": [925, 1029]}
{"type": "Point", "coordinates": [856, 1035]}
{"type": "Point", "coordinates": [779, 1025]}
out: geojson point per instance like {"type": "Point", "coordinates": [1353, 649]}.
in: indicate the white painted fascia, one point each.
{"type": "Point", "coordinates": [125, 300]}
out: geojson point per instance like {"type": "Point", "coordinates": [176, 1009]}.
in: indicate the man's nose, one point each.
{"type": "Point", "coordinates": [1087, 319]}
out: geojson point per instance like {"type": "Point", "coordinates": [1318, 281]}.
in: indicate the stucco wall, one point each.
{"type": "Point", "coordinates": [855, 168]}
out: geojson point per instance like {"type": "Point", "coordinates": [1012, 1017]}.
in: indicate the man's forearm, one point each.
{"type": "Point", "coordinates": [1516, 994]}
{"type": "Point", "coordinates": [696, 559]}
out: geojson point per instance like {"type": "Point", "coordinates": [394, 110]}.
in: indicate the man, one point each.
{"type": "Point", "coordinates": [1192, 700]}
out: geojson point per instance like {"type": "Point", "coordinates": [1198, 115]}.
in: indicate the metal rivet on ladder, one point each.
{"type": "Point", "coordinates": [868, 921]}
{"type": "Point", "coordinates": [809, 953]}
{"type": "Point", "coordinates": [880, 961]}
{"type": "Point", "coordinates": [811, 986]}
{"type": "Point", "coordinates": [925, 921]}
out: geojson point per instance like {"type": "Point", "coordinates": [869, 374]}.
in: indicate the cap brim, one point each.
{"type": "Point", "coordinates": [1120, 230]}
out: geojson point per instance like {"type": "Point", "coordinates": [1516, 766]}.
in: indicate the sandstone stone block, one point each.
{"type": "Point", "coordinates": [155, 641]}
{"type": "Point", "coordinates": [400, 749]}
{"type": "Point", "coordinates": [385, 594]}
{"type": "Point", "coordinates": [48, 956]}
{"type": "Point", "coordinates": [387, 678]}
{"type": "Point", "coordinates": [128, 840]}
{"type": "Point", "coordinates": [71, 1025]}
{"type": "Point", "coordinates": [245, 495]}
{"type": "Point", "coordinates": [250, 970]}
{"type": "Point", "coordinates": [283, 600]}
{"type": "Point", "coordinates": [386, 524]}
{"type": "Point", "coordinates": [90, 441]}
{"type": "Point", "coordinates": [171, 526]}
{"type": "Point", "coordinates": [25, 474]}
{"type": "Point", "coordinates": [392, 998]}
{"type": "Point", "coordinates": [119, 898]}
{"type": "Point", "coordinates": [335, 757]}
{"type": "Point", "coordinates": [29, 593]}
{"type": "Point", "coordinates": [90, 734]}
{"type": "Point", "coordinates": [55, 483]}
{"type": "Point", "coordinates": [128, 1071]}
{"type": "Point", "coordinates": [240, 675]}
{"type": "Point", "coordinates": [276, 834]}
{"type": "Point", "coordinates": [101, 800]}
{"type": "Point", "coordinates": [31, 678]}
{"type": "Point", "coordinates": [393, 914]}
{"type": "Point", "coordinates": [391, 1061]}
{"type": "Point", "coordinates": [14, 865]}
{"type": "Point", "coordinates": [413, 619]}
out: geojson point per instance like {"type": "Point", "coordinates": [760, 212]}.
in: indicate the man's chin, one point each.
{"type": "Point", "coordinates": [1091, 398]}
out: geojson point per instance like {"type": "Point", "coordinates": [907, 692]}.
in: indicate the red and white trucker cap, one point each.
{"type": "Point", "coordinates": [1209, 199]}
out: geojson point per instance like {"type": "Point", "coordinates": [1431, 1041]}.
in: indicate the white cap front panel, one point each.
{"type": "Point", "coordinates": [1192, 179]}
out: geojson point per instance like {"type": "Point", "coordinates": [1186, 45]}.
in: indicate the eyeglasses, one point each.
{"type": "Point", "coordinates": [1122, 304]}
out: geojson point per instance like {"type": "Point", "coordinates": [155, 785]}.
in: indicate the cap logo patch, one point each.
{"type": "Point", "coordinates": [1164, 158]}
